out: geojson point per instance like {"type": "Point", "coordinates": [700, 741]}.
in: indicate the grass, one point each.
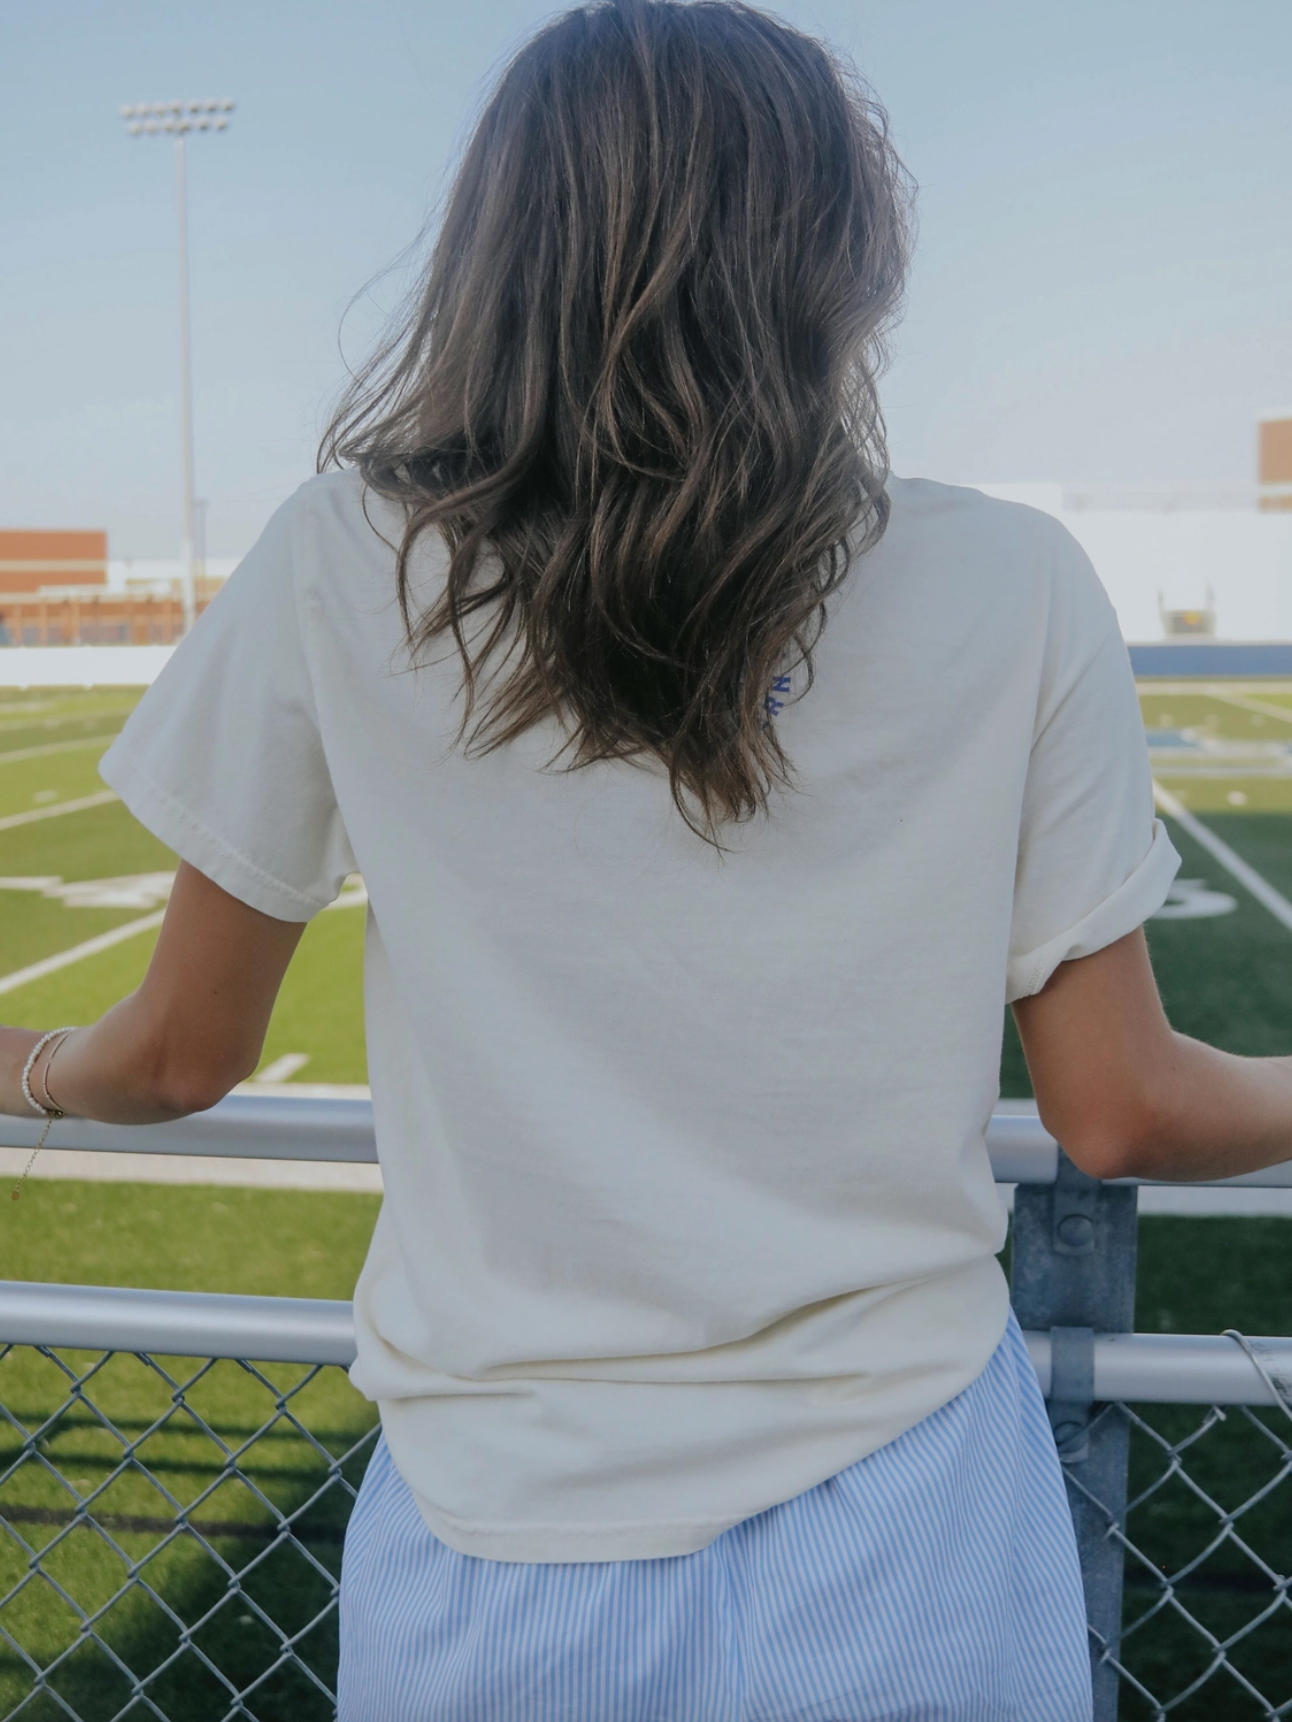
{"type": "Point", "coordinates": [320, 1010]}
{"type": "Point", "coordinates": [189, 1237]}
{"type": "Point", "coordinates": [62, 715]}
{"type": "Point", "coordinates": [28, 784]}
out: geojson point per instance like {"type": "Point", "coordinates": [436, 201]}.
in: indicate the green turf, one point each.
{"type": "Point", "coordinates": [1235, 715]}
{"type": "Point", "coordinates": [28, 785]}
{"type": "Point", "coordinates": [53, 717]}
{"type": "Point", "coordinates": [187, 1237]}
{"type": "Point", "coordinates": [320, 1009]}
{"type": "Point", "coordinates": [84, 991]}
{"type": "Point", "coordinates": [96, 843]}
{"type": "Point", "coordinates": [1234, 792]}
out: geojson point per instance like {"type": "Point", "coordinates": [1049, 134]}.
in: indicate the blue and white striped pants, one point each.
{"type": "Point", "coordinates": [934, 1581]}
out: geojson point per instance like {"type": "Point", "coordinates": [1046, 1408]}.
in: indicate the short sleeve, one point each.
{"type": "Point", "coordinates": [222, 758]}
{"type": "Point", "coordinates": [1093, 862]}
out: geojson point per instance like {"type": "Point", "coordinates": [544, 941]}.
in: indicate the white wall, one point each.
{"type": "Point", "coordinates": [81, 666]}
{"type": "Point", "coordinates": [1243, 555]}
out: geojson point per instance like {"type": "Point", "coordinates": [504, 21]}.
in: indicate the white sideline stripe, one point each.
{"type": "Point", "coordinates": [1233, 863]}
{"type": "Point", "coordinates": [100, 798]}
{"type": "Point", "coordinates": [337, 1177]}
{"type": "Point", "coordinates": [1246, 703]}
{"type": "Point", "coordinates": [48, 747]}
{"type": "Point", "coordinates": [91, 948]}
{"type": "Point", "coordinates": [1151, 685]}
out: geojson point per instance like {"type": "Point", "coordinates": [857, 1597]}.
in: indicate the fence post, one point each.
{"type": "Point", "coordinates": [1073, 1272]}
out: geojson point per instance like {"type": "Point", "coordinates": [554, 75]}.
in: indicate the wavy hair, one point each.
{"type": "Point", "coordinates": [636, 391]}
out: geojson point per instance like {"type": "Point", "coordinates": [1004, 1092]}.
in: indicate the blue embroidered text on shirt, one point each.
{"type": "Point", "coordinates": [771, 705]}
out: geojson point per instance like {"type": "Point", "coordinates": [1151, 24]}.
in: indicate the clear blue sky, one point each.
{"type": "Point", "coordinates": [1102, 290]}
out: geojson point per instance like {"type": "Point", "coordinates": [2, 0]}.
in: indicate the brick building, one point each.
{"type": "Point", "coordinates": [54, 592]}
{"type": "Point", "coordinates": [1274, 461]}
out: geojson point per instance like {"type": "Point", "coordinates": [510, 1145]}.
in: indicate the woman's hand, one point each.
{"type": "Point", "coordinates": [193, 1029]}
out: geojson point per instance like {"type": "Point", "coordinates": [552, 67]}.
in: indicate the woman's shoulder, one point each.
{"type": "Point", "coordinates": [342, 531]}
{"type": "Point", "coordinates": [929, 504]}
{"type": "Point", "coordinates": [956, 564]}
{"type": "Point", "coordinates": [956, 529]}
{"type": "Point", "coordinates": [341, 500]}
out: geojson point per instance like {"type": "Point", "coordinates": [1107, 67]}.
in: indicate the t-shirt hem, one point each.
{"type": "Point", "coordinates": [546, 1544]}
{"type": "Point", "coordinates": [195, 843]}
{"type": "Point", "coordinates": [559, 1542]}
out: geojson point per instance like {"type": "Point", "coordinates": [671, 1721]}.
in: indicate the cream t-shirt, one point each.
{"type": "Point", "coordinates": [688, 1204]}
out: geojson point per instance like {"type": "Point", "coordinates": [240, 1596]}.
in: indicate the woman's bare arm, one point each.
{"type": "Point", "coordinates": [1129, 1097]}
{"type": "Point", "coordinates": [194, 1028]}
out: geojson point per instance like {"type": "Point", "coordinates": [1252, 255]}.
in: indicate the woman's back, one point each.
{"type": "Point", "coordinates": [683, 1145]}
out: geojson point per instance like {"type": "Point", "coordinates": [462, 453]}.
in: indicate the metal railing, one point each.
{"type": "Point", "coordinates": [220, 1600]}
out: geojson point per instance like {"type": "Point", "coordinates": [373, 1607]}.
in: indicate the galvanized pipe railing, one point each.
{"type": "Point", "coordinates": [279, 1127]}
{"type": "Point", "coordinates": [1150, 1368]}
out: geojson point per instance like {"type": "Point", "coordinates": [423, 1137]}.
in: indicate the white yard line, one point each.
{"type": "Point", "coordinates": [11, 724]}
{"type": "Point", "coordinates": [100, 798]}
{"type": "Point", "coordinates": [1233, 863]}
{"type": "Point", "coordinates": [282, 1069]}
{"type": "Point", "coordinates": [78, 953]}
{"type": "Point", "coordinates": [114, 1168]}
{"type": "Point", "coordinates": [1246, 703]}
{"type": "Point", "coordinates": [1149, 686]}
{"type": "Point", "coordinates": [17, 753]}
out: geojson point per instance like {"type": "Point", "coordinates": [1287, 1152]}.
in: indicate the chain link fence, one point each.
{"type": "Point", "coordinates": [170, 1535]}
{"type": "Point", "coordinates": [172, 1532]}
{"type": "Point", "coordinates": [1206, 1537]}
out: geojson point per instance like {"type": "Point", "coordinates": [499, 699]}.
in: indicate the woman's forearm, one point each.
{"type": "Point", "coordinates": [120, 1070]}
{"type": "Point", "coordinates": [189, 1033]}
{"type": "Point", "coordinates": [1215, 1115]}
{"type": "Point", "coordinates": [1129, 1097]}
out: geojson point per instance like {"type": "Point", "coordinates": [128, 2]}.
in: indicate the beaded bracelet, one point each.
{"type": "Point", "coordinates": [49, 1110]}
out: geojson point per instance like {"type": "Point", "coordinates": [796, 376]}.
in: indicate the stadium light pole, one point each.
{"type": "Point", "coordinates": [178, 119]}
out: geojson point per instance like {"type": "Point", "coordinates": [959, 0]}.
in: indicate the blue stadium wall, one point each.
{"type": "Point", "coordinates": [1212, 658]}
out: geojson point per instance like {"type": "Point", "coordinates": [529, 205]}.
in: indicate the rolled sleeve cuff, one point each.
{"type": "Point", "coordinates": [1129, 907]}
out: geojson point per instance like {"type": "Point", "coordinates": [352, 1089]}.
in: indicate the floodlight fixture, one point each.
{"type": "Point", "coordinates": [177, 119]}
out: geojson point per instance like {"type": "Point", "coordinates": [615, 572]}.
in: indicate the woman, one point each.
{"type": "Point", "coordinates": [712, 789]}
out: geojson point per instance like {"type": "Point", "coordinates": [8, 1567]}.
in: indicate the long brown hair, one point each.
{"type": "Point", "coordinates": [637, 390]}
